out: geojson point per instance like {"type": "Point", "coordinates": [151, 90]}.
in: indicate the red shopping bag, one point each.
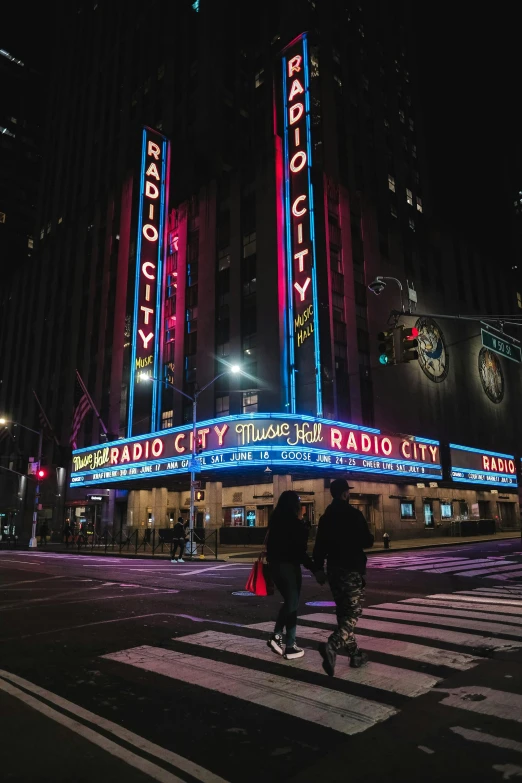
{"type": "Point", "coordinates": [259, 581]}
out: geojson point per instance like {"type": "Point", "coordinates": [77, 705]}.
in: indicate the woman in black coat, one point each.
{"type": "Point", "coordinates": [286, 550]}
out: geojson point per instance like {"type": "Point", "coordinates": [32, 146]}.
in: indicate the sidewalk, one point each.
{"type": "Point", "coordinates": [250, 553]}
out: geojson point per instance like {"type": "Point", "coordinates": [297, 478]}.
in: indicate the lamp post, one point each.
{"type": "Point", "coordinates": [193, 463]}
{"type": "Point", "coordinates": [32, 541]}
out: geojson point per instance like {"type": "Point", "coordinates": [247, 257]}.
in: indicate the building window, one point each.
{"type": "Point", "coordinates": [223, 350]}
{"type": "Point", "coordinates": [407, 509]}
{"type": "Point", "coordinates": [393, 210]}
{"type": "Point", "coordinates": [519, 300]}
{"type": "Point", "coordinates": [414, 150]}
{"type": "Point", "coordinates": [338, 81]}
{"type": "Point", "coordinates": [167, 419]}
{"type": "Point", "coordinates": [222, 405]}
{"type": "Point", "coordinates": [224, 258]}
{"type": "Point", "coordinates": [249, 244]}
{"type": "Point", "coordinates": [419, 204]}
{"type": "Point", "coordinates": [30, 242]}
{"type": "Point", "coordinates": [411, 224]}
{"type": "Point", "coordinates": [249, 347]}
{"type": "Point", "coordinates": [411, 124]}
{"type": "Point", "coordinates": [259, 78]}
{"type": "Point", "coordinates": [446, 510]}
{"type": "Point", "coordinates": [391, 183]}
{"type": "Point", "coordinates": [401, 115]}
{"type": "Point", "coordinates": [409, 197]}
{"type": "Point", "coordinates": [249, 402]}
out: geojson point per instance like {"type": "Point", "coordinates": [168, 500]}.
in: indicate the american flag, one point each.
{"type": "Point", "coordinates": [82, 405]}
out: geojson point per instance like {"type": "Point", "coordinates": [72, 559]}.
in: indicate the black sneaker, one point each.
{"type": "Point", "coordinates": [293, 652]}
{"type": "Point", "coordinates": [358, 659]}
{"type": "Point", "coordinates": [276, 643]}
{"type": "Point", "coordinates": [329, 657]}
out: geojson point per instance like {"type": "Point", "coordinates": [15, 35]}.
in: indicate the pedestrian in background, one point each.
{"type": "Point", "coordinates": [44, 529]}
{"type": "Point", "coordinates": [179, 539]}
{"type": "Point", "coordinates": [341, 537]}
{"type": "Point", "coordinates": [286, 550]}
{"type": "Point", "coordinates": [66, 533]}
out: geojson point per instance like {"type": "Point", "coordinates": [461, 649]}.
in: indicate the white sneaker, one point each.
{"type": "Point", "coordinates": [293, 652]}
{"type": "Point", "coordinates": [181, 560]}
{"type": "Point", "coordinates": [174, 561]}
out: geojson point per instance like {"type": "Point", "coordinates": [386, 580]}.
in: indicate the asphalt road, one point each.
{"type": "Point", "coordinates": [136, 670]}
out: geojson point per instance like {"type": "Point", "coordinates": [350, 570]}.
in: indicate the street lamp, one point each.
{"type": "Point", "coordinates": [32, 542]}
{"type": "Point", "coordinates": [234, 369]}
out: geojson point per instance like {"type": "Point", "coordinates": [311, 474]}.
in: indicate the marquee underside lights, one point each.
{"type": "Point", "coordinates": [150, 249]}
{"type": "Point", "coordinates": [473, 466]}
{"type": "Point", "coordinates": [259, 440]}
{"type": "Point", "coordinates": [303, 355]}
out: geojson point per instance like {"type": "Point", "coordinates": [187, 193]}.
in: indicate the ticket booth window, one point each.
{"type": "Point", "coordinates": [446, 510]}
{"type": "Point", "coordinates": [407, 509]}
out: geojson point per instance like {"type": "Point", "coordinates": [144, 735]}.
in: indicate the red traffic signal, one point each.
{"type": "Point", "coordinates": [41, 473]}
{"type": "Point", "coordinates": [199, 445]}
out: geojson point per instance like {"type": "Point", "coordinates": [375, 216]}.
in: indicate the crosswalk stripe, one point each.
{"type": "Point", "coordinates": [394, 647]}
{"type": "Point", "coordinates": [499, 569]}
{"type": "Point", "coordinates": [512, 575]}
{"type": "Point", "coordinates": [439, 634]}
{"type": "Point", "coordinates": [443, 619]}
{"type": "Point", "coordinates": [377, 675]}
{"type": "Point", "coordinates": [424, 609]}
{"type": "Point", "coordinates": [485, 566]}
{"type": "Point", "coordinates": [488, 739]}
{"type": "Point", "coordinates": [342, 712]}
{"type": "Point", "coordinates": [486, 701]}
{"type": "Point", "coordinates": [482, 599]}
{"type": "Point", "coordinates": [446, 567]}
{"type": "Point", "coordinates": [500, 611]}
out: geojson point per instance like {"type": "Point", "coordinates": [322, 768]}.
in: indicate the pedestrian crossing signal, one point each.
{"type": "Point", "coordinates": [386, 347]}
{"type": "Point", "coordinates": [408, 344]}
{"type": "Point", "coordinates": [200, 494]}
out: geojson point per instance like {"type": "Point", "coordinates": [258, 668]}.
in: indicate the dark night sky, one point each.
{"type": "Point", "coordinates": [468, 73]}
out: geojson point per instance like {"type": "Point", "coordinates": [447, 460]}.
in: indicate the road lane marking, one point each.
{"type": "Point", "coordinates": [40, 581]}
{"type": "Point", "coordinates": [488, 617]}
{"type": "Point", "coordinates": [438, 634]}
{"type": "Point", "coordinates": [402, 613]}
{"type": "Point", "coordinates": [501, 569]}
{"type": "Point", "coordinates": [152, 594]}
{"type": "Point", "coordinates": [8, 682]}
{"type": "Point", "coordinates": [503, 612]}
{"type": "Point", "coordinates": [339, 711]}
{"type": "Point", "coordinates": [485, 701]}
{"type": "Point", "coordinates": [377, 675]}
{"type": "Point", "coordinates": [487, 739]}
{"type": "Point", "coordinates": [395, 647]}
{"type": "Point", "coordinates": [480, 599]}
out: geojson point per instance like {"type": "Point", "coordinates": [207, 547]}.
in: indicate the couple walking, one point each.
{"type": "Point", "coordinates": [341, 537]}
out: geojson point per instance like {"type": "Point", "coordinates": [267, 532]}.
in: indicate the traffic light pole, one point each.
{"type": "Point", "coordinates": [33, 542]}
{"type": "Point", "coordinates": [193, 475]}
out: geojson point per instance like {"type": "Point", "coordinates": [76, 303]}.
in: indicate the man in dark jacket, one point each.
{"type": "Point", "coordinates": [179, 538]}
{"type": "Point", "coordinates": [341, 537]}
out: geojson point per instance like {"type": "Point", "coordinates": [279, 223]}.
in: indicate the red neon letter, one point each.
{"type": "Point", "coordinates": [125, 456]}
{"type": "Point", "coordinates": [366, 444]}
{"type": "Point", "coordinates": [179, 449]}
{"type": "Point", "coordinates": [405, 449]}
{"type": "Point", "coordinates": [220, 433]}
{"type": "Point", "coordinates": [386, 446]}
{"type": "Point", "coordinates": [296, 112]}
{"type": "Point", "coordinates": [296, 89]}
{"type": "Point", "coordinates": [146, 310]}
{"type": "Point", "coordinates": [434, 453]}
{"type": "Point", "coordinates": [351, 443]}
{"type": "Point", "coordinates": [336, 437]}
{"type": "Point", "coordinates": [294, 66]}
{"type": "Point", "coordinates": [152, 171]}
{"type": "Point", "coordinates": [302, 289]}
{"type": "Point", "coordinates": [511, 466]}
{"type": "Point", "coordinates": [300, 257]}
{"type": "Point", "coordinates": [203, 434]}
{"type": "Point", "coordinates": [154, 150]}
{"type": "Point", "coordinates": [146, 339]}
{"type": "Point", "coordinates": [296, 164]}
{"type": "Point", "coordinates": [485, 462]}
{"type": "Point", "coordinates": [151, 190]}
{"type": "Point", "coordinates": [137, 451]}
{"type": "Point", "coordinates": [151, 233]}
{"type": "Point", "coordinates": [144, 270]}
{"type": "Point", "coordinates": [298, 212]}
{"type": "Point", "coordinates": [157, 447]}
{"type": "Point", "coordinates": [115, 453]}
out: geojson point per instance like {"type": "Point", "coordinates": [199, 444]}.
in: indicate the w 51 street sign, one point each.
{"type": "Point", "coordinates": [503, 345]}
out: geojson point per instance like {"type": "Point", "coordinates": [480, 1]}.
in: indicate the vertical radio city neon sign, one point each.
{"type": "Point", "coordinates": [150, 249]}
{"type": "Point", "coordinates": [301, 278]}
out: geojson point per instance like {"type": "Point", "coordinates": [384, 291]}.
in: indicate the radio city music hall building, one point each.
{"type": "Point", "coordinates": [246, 185]}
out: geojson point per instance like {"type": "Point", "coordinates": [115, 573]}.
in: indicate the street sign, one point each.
{"type": "Point", "coordinates": [502, 344]}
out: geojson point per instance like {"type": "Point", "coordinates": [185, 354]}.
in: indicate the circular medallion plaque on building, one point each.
{"type": "Point", "coordinates": [491, 375]}
{"type": "Point", "coordinates": [433, 356]}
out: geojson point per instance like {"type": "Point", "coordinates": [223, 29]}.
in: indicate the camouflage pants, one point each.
{"type": "Point", "coordinates": [348, 591]}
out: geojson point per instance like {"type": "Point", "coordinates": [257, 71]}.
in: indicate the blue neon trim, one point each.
{"type": "Point", "coordinates": [315, 299]}
{"type": "Point", "coordinates": [136, 289]}
{"type": "Point", "coordinates": [427, 440]}
{"type": "Point", "coordinates": [289, 262]}
{"type": "Point", "coordinates": [481, 451]}
{"type": "Point", "coordinates": [514, 485]}
{"type": "Point", "coordinates": [510, 476]}
{"type": "Point", "coordinates": [159, 292]}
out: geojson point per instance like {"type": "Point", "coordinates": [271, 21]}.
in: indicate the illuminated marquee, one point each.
{"type": "Point", "coordinates": [262, 440]}
{"type": "Point", "coordinates": [150, 249]}
{"type": "Point", "coordinates": [301, 279]}
{"type": "Point", "coordinates": [474, 466]}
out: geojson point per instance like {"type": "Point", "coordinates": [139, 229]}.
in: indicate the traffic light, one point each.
{"type": "Point", "coordinates": [200, 494]}
{"type": "Point", "coordinates": [387, 347]}
{"type": "Point", "coordinates": [408, 344]}
{"type": "Point", "coordinates": [199, 445]}
{"type": "Point", "coordinates": [41, 473]}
